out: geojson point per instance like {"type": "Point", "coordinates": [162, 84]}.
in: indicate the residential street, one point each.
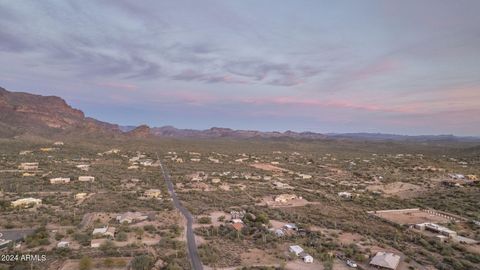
{"type": "Point", "coordinates": [192, 247]}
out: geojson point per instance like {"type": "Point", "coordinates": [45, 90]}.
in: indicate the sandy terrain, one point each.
{"type": "Point", "coordinates": [268, 167]}
{"type": "Point", "coordinates": [339, 265]}
{"type": "Point", "coordinates": [300, 265]}
{"type": "Point", "coordinates": [277, 224]}
{"type": "Point", "coordinates": [214, 216]}
{"type": "Point", "coordinates": [258, 257]}
{"type": "Point", "coordinates": [269, 201]}
{"type": "Point", "coordinates": [411, 217]}
{"type": "Point", "coordinates": [89, 218]}
{"type": "Point", "coordinates": [97, 264]}
{"type": "Point", "coordinates": [199, 240]}
{"type": "Point", "coordinates": [347, 238]}
{"type": "Point", "coordinates": [401, 189]}
{"type": "Point", "coordinates": [254, 257]}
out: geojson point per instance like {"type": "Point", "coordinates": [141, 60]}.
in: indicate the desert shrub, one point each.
{"type": "Point", "coordinates": [205, 220]}
{"type": "Point", "coordinates": [142, 262]}
{"type": "Point", "coordinates": [85, 263]}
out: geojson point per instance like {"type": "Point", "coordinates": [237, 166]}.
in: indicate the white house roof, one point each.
{"type": "Point", "coordinates": [296, 249]}
{"type": "Point", "coordinates": [100, 230]}
{"type": "Point", "coordinates": [386, 260]}
{"type": "Point", "coordinates": [237, 220]}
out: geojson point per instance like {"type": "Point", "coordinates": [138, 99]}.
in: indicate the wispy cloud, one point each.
{"type": "Point", "coordinates": [118, 85]}
{"type": "Point", "coordinates": [352, 63]}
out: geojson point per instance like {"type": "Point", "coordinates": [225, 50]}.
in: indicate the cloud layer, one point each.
{"type": "Point", "coordinates": [401, 66]}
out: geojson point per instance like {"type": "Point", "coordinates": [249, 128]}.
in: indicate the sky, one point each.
{"type": "Point", "coordinates": [398, 66]}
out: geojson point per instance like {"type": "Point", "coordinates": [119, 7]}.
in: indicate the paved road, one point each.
{"type": "Point", "coordinates": [192, 246]}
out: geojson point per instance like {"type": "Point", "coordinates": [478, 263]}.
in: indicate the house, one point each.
{"type": "Point", "coordinates": [58, 143]}
{"type": "Point", "coordinates": [104, 231]}
{"type": "Point", "coordinates": [152, 193]}
{"type": "Point", "coordinates": [385, 260]}
{"type": "Point", "coordinates": [110, 232]}
{"type": "Point", "coordinates": [112, 151]}
{"type": "Point", "coordinates": [83, 167]}
{"type": "Point", "coordinates": [344, 194]}
{"type": "Point", "coordinates": [472, 177]}
{"type": "Point", "coordinates": [304, 176]}
{"type": "Point", "coordinates": [59, 180]}
{"type": "Point", "coordinates": [456, 176]}
{"type": "Point", "coordinates": [283, 198]}
{"type": "Point", "coordinates": [279, 233]}
{"type": "Point", "coordinates": [464, 240]}
{"type": "Point", "coordinates": [441, 238]}
{"type": "Point", "coordinates": [5, 243]}
{"type": "Point", "coordinates": [236, 220]}
{"type": "Point", "coordinates": [25, 202]}
{"type": "Point", "coordinates": [295, 249]}
{"type": "Point", "coordinates": [63, 244]}
{"type": "Point", "coordinates": [290, 227]}
{"type": "Point", "coordinates": [238, 226]}
{"type": "Point", "coordinates": [100, 231]}
{"type": "Point", "coordinates": [86, 178]}
{"type": "Point", "coordinates": [8, 238]}
{"type": "Point", "coordinates": [147, 162]}
{"type": "Point", "coordinates": [280, 185]}
{"type": "Point", "coordinates": [80, 196]}
{"type": "Point", "coordinates": [237, 214]}
{"type": "Point", "coordinates": [130, 217]}
{"type": "Point", "coordinates": [214, 160]}
{"type": "Point", "coordinates": [436, 228]}
{"type": "Point", "coordinates": [198, 176]}
{"type": "Point", "coordinates": [306, 258]}
{"type": "Point", "coordinates": [28, 166]}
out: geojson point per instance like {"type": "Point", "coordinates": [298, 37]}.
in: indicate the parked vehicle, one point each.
{"type": "Point", "coordinates": [351, 263]}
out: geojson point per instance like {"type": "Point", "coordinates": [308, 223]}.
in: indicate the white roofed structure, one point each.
{"type": "Point", "coordinates": [385, 260]}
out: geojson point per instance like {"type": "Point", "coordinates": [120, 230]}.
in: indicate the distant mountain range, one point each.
{"type": "Point", "coordinates": [395, 137]}
{"type": "Point", "coordinates": [217, 132]}
{"type": "Point", "coordinates": [24, 113]}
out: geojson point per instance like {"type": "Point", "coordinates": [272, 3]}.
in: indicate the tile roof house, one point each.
{"type": "Point", "coordinates": [238, 226]}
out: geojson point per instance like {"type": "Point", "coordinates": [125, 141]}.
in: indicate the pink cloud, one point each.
{"type": "Point", "coordinates": [332, 103]}
{"type": "Point", "coordinates": [377, 68]}
{"type": "Point", "coordinates": [187, 97]}
{"type": "Point", "coordinates": [117, 85]}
